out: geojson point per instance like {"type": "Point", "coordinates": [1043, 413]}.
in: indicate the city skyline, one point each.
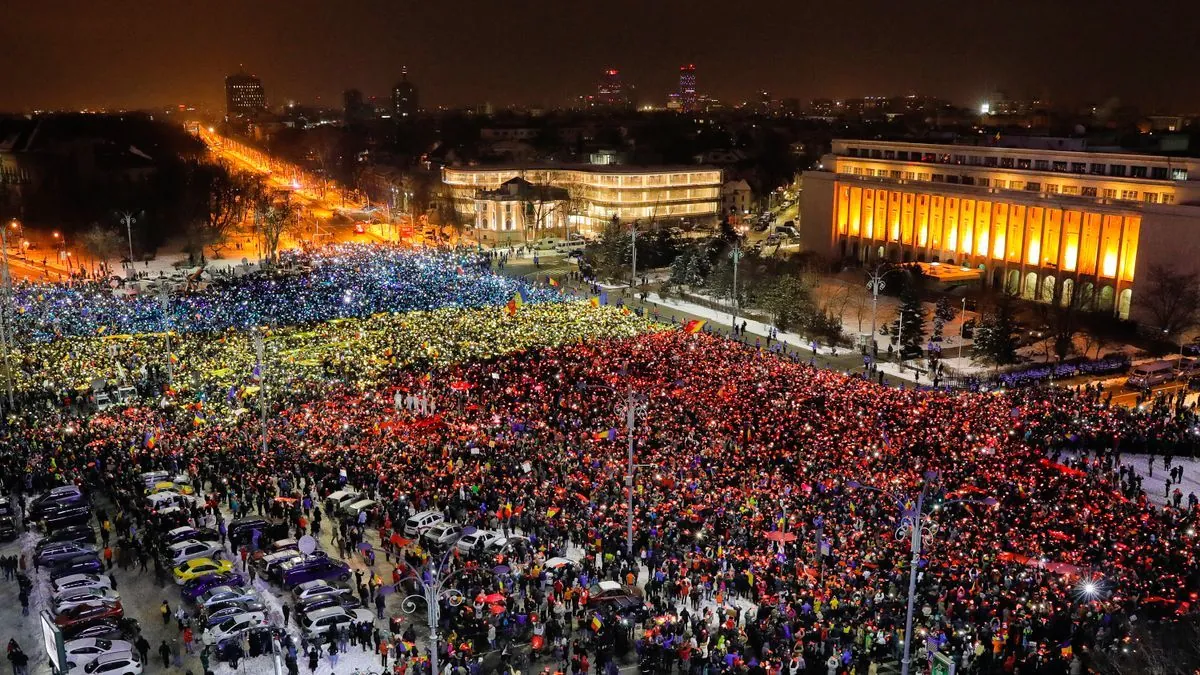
{"type": "Point", "coordinates": [127, 55]}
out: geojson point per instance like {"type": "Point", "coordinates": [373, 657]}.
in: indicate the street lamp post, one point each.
{"type": "Point", "coordinates": [6, 335]}
{"type": "Point", "coordinates": [633, 254]}
{"type": "Point", "coordinates": [962, 327]}
{"type": "Point", "coordinates": [165, 299]}
{"type": "Point", "coordinates": [262, 384]}
{"type": "Point", "coordinates": [635, 404]}
{"type": "Point", "coordinates": [916, 526]}
{"type": "Point", "coordinates": [735, 255]}
{"type": "Point", "coordinates": [129, 219]}
{"type": "Point", "coordinates": [434, 584]}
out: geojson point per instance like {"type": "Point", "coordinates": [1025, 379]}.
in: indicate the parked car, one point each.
{"type": "Point", "coordinates": [185, 533]}
{"type": "Point", "coordinates": [84, 596]}
{"type": "Point", "coordinates": [81, 581]}
{"type": "Point", "coordinates": [607, 592]}
{"type": "Point", "coordinates": [476, 541]}
{"type": "Point", "coordinates": [192, 549]}
{"type": "Point", "coordinates": [442, 534]}
{"type": "Point", "coordinates": [241, 532]}
{"type": "Point", "coordinates": [65, 494]}
{"type": "Point", "coordinates": [236, 625]}
{"type": "Point", "coordinates": [196, 587]}
{"type": "Point", "coordinates": [232, 608]}
{"type": "Point", "coordinates": [274, 567]}
{"type": "Point", "coordinates": [506, 545]}
{"type": "Point", "coordinates": [317, 588]}
{"type": "Point", "coordinates": [116, 663]}
{"type": "Point", "coordinates": [335, 501]}
{"type": "Point", "coordinates": [345, 601]}
{"type": "Point", "coordinates": [275, 547]}
{"type": "Point", "coordinates": [317, 624]}
{"type": "Point", "coordinates": [84, 650]}
{"type": "Point", "coordinates": [359, 506]}
{"type": "Point", "coordinates": [152, 478]}
{"type": "Point", "coordinates": [1148, 375]}
{"type": "Point", "coordinates": [79, 533]}
{"type": "Point", "coordinates": [314, 568]}
{"type": "Point", "coordinates": [78, 514]}
{"type": "Point", "coordinates": [417, 524]}
{"type": "Point", "coordinates": [62, 550]}
{"type": "Point", "coordinates": [107, 629]}
{"type": "Point", "coordinates": [199, 567]}
{"type": "Point", "coordinates": [218, 594]}
{"type": "Point", "coordinates": [264, 634]}
{"type": "Point", "coordinates": [81, 565]}
{"type": "Point", "coordinates": [8, 528]}
{"type": "Point", "coordinates": [88, 612]}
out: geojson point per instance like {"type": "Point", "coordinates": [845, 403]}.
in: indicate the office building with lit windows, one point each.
{"type": "Point", "coordinates": [244, 95]}
{"type": "Point", "coordinates": [597, 193]}
{"type": "Point", "coordinates": [1049, 222]}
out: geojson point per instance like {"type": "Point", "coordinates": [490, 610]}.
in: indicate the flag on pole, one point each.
{"type": "Point", "coordinates": [596, 623]}
{"type": "Point", "coordinates": [693, 326]}
{"type": "Point", "coordinates": [595, 301]}
{"type": "Point", "coordinates": [554, 282]}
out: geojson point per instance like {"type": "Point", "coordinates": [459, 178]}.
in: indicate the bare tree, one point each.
{"type": "Point", "coordinates": [101, 243]}
{"type": "Point", "coordinates": [273, 218]}
{"type": "Point", "coordinates": [1172, 299]}
{"type": "Point", "coordinates": [222, 193]}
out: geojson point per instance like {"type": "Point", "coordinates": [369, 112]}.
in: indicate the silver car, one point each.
{"type": "Point", "coordinates": [57, 552]}
{"type": "Point", "coordinates": [82, 596]}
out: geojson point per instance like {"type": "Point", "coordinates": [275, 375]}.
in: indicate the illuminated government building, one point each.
{"type": "Point", "coordinates": [1044, 223]}
{"type": "Point", "coordinates": [595, 194]}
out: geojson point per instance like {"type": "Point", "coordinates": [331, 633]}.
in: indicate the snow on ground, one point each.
{"type": "Point", "coordinates": [1154, 481]}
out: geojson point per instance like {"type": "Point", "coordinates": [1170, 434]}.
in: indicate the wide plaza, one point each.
{"type": "Point", "coordinates": [772, 501]}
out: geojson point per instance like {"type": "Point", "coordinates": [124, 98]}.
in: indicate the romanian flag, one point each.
{"type": "Point", "coordinates": [552, 511]}
{"type": "Point", "coordinates": [693, 326]}
{"type": "Point", "coordinates": [554, 282]}
{"type": "Point", "coordinates": [514, 304]}
{"type": "Point", "coordinates": [173, 359]}
{"type": "Point", "coordinates": [151, 439]}
{"type": "Point", "coordinates": [596, 623]}
{"type": "Point", "coordinates": [595, 301]}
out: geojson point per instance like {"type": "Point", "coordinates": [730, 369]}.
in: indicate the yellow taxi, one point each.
{"type": "Point", "coordinates": [199, 567]}
{"type": "Point", "coordinates": [182, 487]}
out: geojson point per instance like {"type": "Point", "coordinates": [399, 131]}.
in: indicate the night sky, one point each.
{"type": "Point", "coordinates": [141, 53]}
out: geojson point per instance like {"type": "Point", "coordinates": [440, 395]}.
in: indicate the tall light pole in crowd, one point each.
{"type": "Point", "coordinates": [262, 383]}
{"type": "Point", "coordinates": [165, 299]}
{"type": "Point", "coordinates": [434, 585]}
{"type": "Point", "coordinates": [129, 219]}
{"type": "Point", "coordinates": [875, 284]}
{"type": "Point", "coordinates": [735, 255]}
{"type": "Point", "coordinates": [962, 326]}
{"type": "Point", "coordinates": [6, 335]}
{"type": "Point", "coordinates": [633, 254]}
{"type": "Point", "coordinates": [634, 404]}
{"type": "Point", "coordinates": [916, 525]}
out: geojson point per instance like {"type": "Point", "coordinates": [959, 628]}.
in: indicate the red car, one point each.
{"type": "Point", "coordinates": [80, 614]}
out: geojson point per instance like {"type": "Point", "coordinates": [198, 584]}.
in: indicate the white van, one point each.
{"type": "Point", "coordinates": [1151, 374]}
{"type": "Point", "coordinates": [161, 500]}
{"type": "Point", "coordinates": [416, 525]}
{"type": "Point", "coordinates": [343, 498]}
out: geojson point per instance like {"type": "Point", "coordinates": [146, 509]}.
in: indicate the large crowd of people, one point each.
{"type": "Point", "coordinates": [767, 498]}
